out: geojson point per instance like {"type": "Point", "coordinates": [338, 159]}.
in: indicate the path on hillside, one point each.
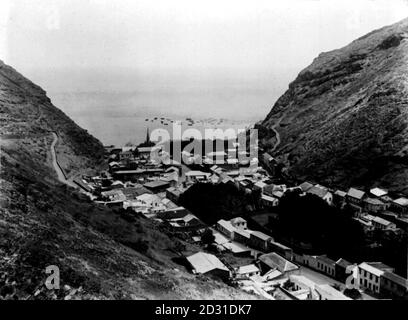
{"type": "Point", "coordinates": [278, 138]}
{"type": "Point", "coordinates": [55, 164]}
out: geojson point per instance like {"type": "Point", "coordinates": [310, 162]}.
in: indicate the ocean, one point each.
{"type": "Point", "coordinates": [118, 116]}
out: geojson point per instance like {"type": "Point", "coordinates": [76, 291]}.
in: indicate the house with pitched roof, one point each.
{"type": "Point", "coordinates": [268, 201]}
{"type": "Point", "coordinates": [259, 240]}
{"type": "Point", "coordinates": [242, 236]}
{"type": "Point", "coordinates": [274, 261]}
{"type": "Point", "coordinates": [383, 224]}
{"type": "Point", "coordinates": [321, 192]}
{"type": "Point", "coordinates": [369, 274]}
{"type": "Point", "coordinates": [374, 205]}
{"type": "Point", "coordinates": [247, 271]}
{"type": "Point", "coordinates": [281, 249]}
{"type": "Point", "coordinates": [400, 206]}
{"type": "Point", "coordinates": [326, 265]}
{"type": "Point", "coordinates": [305, 186]}
{"type": "Point", "coordinates": [393, 285]}
{"type": "Point", "coordinates": [355, 197]}
{"type": "Point", "coordinates": [378, 192]}
{"type": "Point", "coordinates": [226, 228]}
{"type": "Point", "coordinates": [208, 264]}
{"type": "Point", "coordinates": [157, 186]}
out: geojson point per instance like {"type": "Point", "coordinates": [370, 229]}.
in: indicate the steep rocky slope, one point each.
{"type": "Point", "coordinates": [101, 253]}
{"type": "Point", "coordinates": [343, 120]}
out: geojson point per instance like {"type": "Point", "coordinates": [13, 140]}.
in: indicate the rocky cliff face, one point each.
{"type": "Point", "coordinates": [343, 120]}
{"type": "Point", "coordinates": [101, 253]}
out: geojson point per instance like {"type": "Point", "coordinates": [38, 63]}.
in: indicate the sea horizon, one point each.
{"type": "Point", "coordinates": [118, 118]}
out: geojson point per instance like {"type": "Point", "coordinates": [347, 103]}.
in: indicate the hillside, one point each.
{"type": "Point", "coordinates": [343, 120]}
{"type": "Point", "coordinates": [102, 253]}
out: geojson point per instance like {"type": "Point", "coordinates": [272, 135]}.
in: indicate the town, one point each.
{"type": "Point", "coordinates": [229, 250]}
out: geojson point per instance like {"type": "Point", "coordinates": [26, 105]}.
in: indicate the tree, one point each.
{"type": "Point", "coordinates": [207, 237]}
{"type": "Point", "coordinates": [310, 220]}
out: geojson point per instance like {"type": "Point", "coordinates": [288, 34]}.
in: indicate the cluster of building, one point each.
{"type": "Point", "coordinates": [276, 271]}
{"type": "Point", "coordinates": [269, 276]}
{"type": "Point", "coordinates": [136, 182]}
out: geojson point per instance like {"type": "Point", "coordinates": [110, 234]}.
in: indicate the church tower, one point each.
{"type": "Point", "coordinates": [147, 136]}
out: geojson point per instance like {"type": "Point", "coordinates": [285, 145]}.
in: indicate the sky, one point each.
{"type": "Point", "coordinates": [56, 40]}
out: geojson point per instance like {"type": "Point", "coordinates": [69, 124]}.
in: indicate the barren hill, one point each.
{"type": "Point", "coordinates": [101, 253]}
{"type": "Point", "coordinates": [343, 120]}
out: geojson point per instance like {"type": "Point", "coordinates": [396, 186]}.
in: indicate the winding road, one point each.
{"type": "Point", "coordinates": [278, 139]}
{"type": "Point", "coordinates": [57, 167]}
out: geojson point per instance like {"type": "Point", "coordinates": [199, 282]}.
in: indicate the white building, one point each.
{"type": "Point", "coordinates": [205, 263]}
{"type": "Point", "coordinates": [247, 271]}
{"type": "Point", "coordinates": [226, 228]}
{"type": "Point", "coordinates": [369, 274]}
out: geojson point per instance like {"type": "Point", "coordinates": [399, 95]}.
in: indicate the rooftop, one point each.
{"type": "Point", "coordinates": [305, 186]}
{"type": "Point", "coordinates": [374, 201]}
{"type": "Point", "coordinates": [128, 148]}
{"type": "Point", "coordinates": [340, 193]}
{"type": "Point", "coordinates": [145, 149]}
{"type": "Point", "coordinates": [280, 245]}
{"type": "Point", "coordinates": [204, 262]}
{"type": "Point", "coordinates": [277, 194]}
{"type": "Point", "coordinates": [226, 225]}
{"type": "Point", "coordinates": [318, 191]}
{"type": "Point", "coordinates": [250, 268]}
{"type": "Point", "coordinates": [260, 184]}
{"type": "Point", "coordinates": [194, 173]}
{"type": "Point", "coordinates": [137, 171]}
{"type": "Point", "coordinates": [343, 263]}
{"type": "Point", "coordinates": [243, 233]}
{"type": "Point", "coordinates": [372, 267]}
{"type": "Point", "coordinates": [402, 202]}
{"type": "Point", "coordinates": [148, 198]}
{"type": "Point", "coordinates": [355, 193]}
{"type": "Point", "coordinates": [268, 198]}
{"type": "Point", "coordinates": [275, 261]}
{"type": "Point", "coordinates": [156, 184]}
{"type": "Point", "coordinates": [176, 213]}
{"type": "Point", "coordinates": [133, 192]}
{"type": "Point", "coordinates": [260, 235]}
{"type": "Point", "coordinates": [382, 221]}
{"type": "Point", "coordinates": [378, 192]}
{"type": "Point", "coordinates": [220, 238]}
{"type": "Point", "coordinates": [396, 279]}
{"type": "Point", "coordinates": [325, 259]}
{"type": "Point", "coordinates": [235, 247]}
{"type": "Point", "coordinates": [381, 266]}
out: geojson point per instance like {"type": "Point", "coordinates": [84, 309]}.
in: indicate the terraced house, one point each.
{"type": "Point", "coordinates": [369, 274]}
